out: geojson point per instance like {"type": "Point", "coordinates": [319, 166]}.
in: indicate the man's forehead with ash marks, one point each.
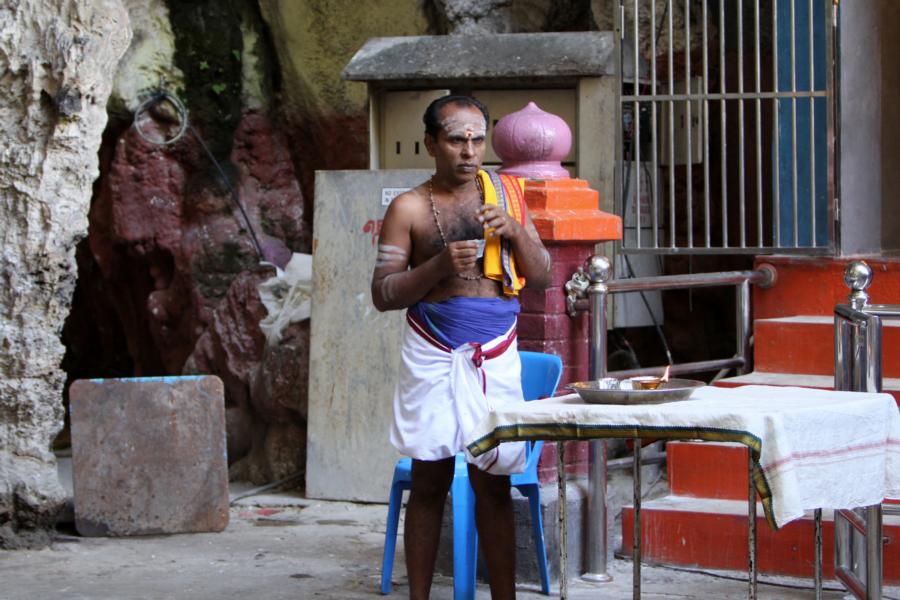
{"type": "Point", "coordinates": [464, 126]}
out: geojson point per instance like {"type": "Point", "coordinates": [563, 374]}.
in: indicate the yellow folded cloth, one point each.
{"type": "Point", "coordinates": [499, 260]}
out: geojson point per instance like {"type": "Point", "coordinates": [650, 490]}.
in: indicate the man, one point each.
{"type": "Point", "coordinates": [459, 356]}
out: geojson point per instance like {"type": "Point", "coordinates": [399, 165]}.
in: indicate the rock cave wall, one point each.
{"type": "Point", "coordinates": [168, 275]}
{"type": "Point", "coordinates": [55, 61]}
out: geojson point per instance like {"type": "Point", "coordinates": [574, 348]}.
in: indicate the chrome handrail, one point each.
{"type": "Point", "coordinates": [857, 368]}
{"type": "Point", "coordinates": [588, 289]}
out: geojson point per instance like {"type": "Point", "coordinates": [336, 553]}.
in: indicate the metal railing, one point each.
{"type": "Point", "coordinates": [724, 145]}
{"type": "Point", "coordinates": [589, 291]}
{"type": "Point", "coordinates": [858, 544]}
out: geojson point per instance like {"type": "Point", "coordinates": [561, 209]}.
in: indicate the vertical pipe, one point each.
{"type": "Point", "coordinates": [722, 123]}
{"type": "Point", "coordinates": [832, 83]}
{"type": "Point", "coordinates": [842, 354]}
{"type": "Point", "coordinates": [742, 168]}
{"type": "Point", "coordinates": [599, 272]}
{"type": "Point", "coordinates": [687, 126]}
{"type": "Point", "coordinates": [796, 192]}
{"type": "Point", "coordinates": [561, 516]}
{"type": "Point", "coordinates": [598, 292]}
{"type": "Point", "coordinates": [654, 194]}
{"type": "Point", "coordinates": [743, 324]}
{"type": "Point", "coordinates": [812, 128]}
{"type": "Point", "coordinates": [636, 530]}
{"type": "Point", "coordinates": [751, 527]}
{"type": "Point", "coordinates": [618, 174]}
{"type": "Point", "coordinates": [706, 224]}
{"type": "Point", "coordinates": [672, 242]}
{"type": "Point", "coordinates": [858, 360]}
{"type": "Point", "coordinates": [841, 542]}
{"type": "Point", "coordinates": [873, 354]}
{"type": "Point", "coordinates": [759, 180]}
{"type": "Point", "coordinates": [858, 554]}
{"type": "Point", "coordinates": [636, 140]}
{"type": "Point", "coordinates": [817, 566]}
{"type": "Point", "coordinates": [596, 529]}
{"type": "Point", "coordinates": [874, 552]}
{"type": "Point", "coordinates": [776, 134]}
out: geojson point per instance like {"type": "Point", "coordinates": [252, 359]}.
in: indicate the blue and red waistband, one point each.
{"type": "Point", "coordinates": [461, 320]}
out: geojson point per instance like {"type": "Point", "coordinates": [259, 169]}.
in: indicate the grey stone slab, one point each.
{"type": "Point", "coordinates": [148, 455]}
{"type": "Point", "coordinates": [354, 349]}
{"type": "Point", "coordinates": [512, 56]}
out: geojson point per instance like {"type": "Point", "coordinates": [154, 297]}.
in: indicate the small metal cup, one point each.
{"type": "Point", "coordinates": [645, 383]}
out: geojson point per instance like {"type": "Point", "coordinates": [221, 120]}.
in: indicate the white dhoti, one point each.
{"type": "Point", "coordinates": [443, 393]}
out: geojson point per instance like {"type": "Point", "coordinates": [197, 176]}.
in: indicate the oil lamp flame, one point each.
{"type": "Point", "coordinates": [665, 376]}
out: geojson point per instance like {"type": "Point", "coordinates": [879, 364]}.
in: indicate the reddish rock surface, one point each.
{"type": "Point", "coordinates": [173, 261]}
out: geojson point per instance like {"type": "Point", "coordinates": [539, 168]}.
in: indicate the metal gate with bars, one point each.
{"type": "Point", "coordinates": [726, 144]}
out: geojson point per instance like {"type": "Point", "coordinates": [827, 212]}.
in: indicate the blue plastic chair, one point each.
{"type": "Point", "coordinates": [540, 378]}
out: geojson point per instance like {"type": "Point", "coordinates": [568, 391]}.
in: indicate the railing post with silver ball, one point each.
{"type": "Point", "coordinates": [599, 271]}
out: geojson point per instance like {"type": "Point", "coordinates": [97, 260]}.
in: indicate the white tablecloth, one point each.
{"type": "Point", "coordinates": [811, 448]}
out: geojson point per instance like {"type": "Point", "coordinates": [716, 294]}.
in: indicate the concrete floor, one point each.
{"type": "Point", "coordinates": [286, 546]}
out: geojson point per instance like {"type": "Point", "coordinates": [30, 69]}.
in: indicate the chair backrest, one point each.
{"type": "Point", "coordinates": [540, 378]}
{"type": "Point", "coordinates": [540, 374]}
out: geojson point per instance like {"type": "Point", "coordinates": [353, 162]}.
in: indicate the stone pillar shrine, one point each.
{"type": "Point", "coordinates": [531, 143]}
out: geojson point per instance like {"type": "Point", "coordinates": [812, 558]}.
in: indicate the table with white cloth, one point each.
{"type": "Point", "coordinates": [809, 449]}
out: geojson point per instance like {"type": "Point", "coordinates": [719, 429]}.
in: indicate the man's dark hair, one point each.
{"type": "Point", "coordinates": [430, 118]}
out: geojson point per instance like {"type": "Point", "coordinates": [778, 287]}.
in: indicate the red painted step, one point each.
{"type": "Point", "coordinates": [813, 286]}
{"type": "Point", "coordinates": [704, 522]}
{"type": "Point", "coordinates": [805, 344]}
{"type": "Point", "coordinates": [823, 382]}
{"type": "Point", "coordinates": [710, 470]}
{"type": "Point", "coordinates": [712, 534]}
{"type": "Point", "coordinates": [714, 470]}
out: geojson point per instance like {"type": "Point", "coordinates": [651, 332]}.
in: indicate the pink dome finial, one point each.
{"type": "Point", "coordinates": [531, 143]}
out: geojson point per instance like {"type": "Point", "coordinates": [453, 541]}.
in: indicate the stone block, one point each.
{"type": "Point", "coordinates": [572, 194]}
{"type": "Point", "coordinates": [553, 326]}
{"type": "Point", "coordinates": [526, 555]}
{"type": "Point", "coordinates": [148, 455]}
{"type": "Point", "coordinates": [548, 301]}
{"type": "Point", "coordinates": [354, 349]}
{"type": "Point", "coordinates": [577, 225]}
{"type": "Point", "coordinates": [565, 252]}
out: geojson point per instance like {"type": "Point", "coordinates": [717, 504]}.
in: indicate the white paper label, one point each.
{"type": "Point", "coordinates": [388, 194]}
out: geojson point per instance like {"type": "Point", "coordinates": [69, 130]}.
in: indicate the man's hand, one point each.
{"type": "Point", "coordinates": [494, 217]}
{"type": "Point", "coordinates": [463, 256]}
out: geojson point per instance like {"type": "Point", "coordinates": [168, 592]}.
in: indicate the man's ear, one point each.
{"type": "Point", "coordinates": [429, 144]}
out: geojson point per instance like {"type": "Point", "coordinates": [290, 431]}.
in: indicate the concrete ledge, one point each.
{"type": "Point", "coordinates": [425, 61]}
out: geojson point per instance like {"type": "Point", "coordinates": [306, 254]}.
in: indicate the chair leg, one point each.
{"type": "Point", "coordinates": [465, 539]}
{"type": "Point", "coordinates": [537, 526]}
{"type": "Point", "coordinates": [390, 537]}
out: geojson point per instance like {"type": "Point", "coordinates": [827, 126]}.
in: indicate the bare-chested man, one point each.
{"type": "Point", "coordinates": [459, 356]}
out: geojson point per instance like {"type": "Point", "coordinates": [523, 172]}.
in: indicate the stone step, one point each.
{"type": "Point", "coordinates": [709, 470]}
{"type": "Point", "coordinates": [712, 470]}
{"type": "Point", "coordinates": [712, 534]}
{"type": "Point", "coordinates": [805, 344]}
{"type": "Point", "coordinates": [814, 285]}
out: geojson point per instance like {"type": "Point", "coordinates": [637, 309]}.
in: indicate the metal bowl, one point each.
{"type": "Point", "coordinates": [600, 392]}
